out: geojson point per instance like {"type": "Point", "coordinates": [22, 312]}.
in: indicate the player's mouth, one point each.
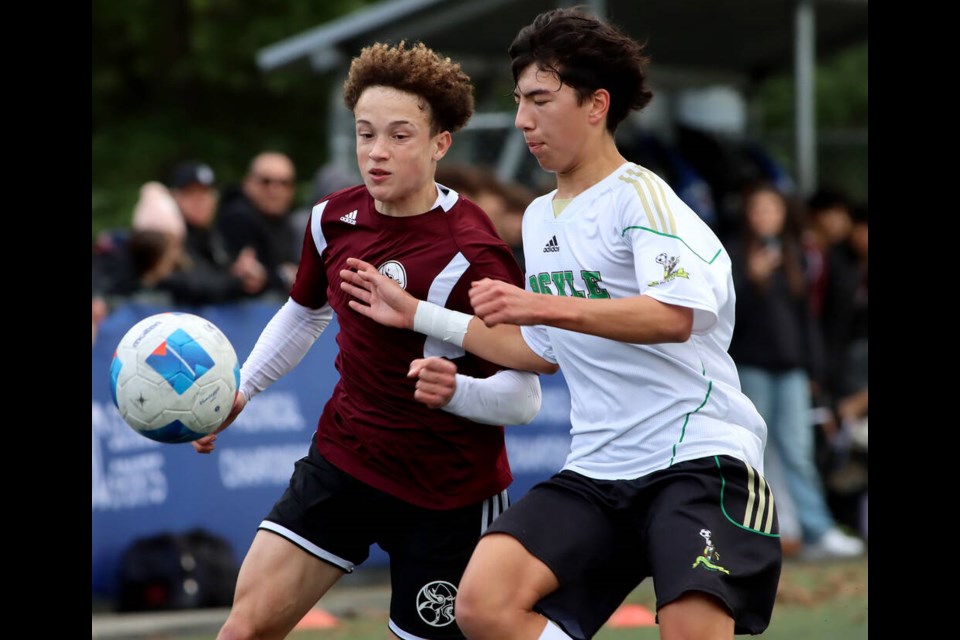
{"type": "Point", "coordinates": [378, 175]}
{"type": "Point", "coordinates": [534, 146]}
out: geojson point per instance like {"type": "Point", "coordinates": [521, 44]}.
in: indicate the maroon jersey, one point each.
{"type": "Point", "coordinates": [371, 427]}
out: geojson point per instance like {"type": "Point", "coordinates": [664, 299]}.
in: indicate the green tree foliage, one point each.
{"type": "Point", "coordinates": [841, 116]}
{"type": "Point", "coordinates": [177, 79]}
{"type": "Point", "coordinates": [841, 94]}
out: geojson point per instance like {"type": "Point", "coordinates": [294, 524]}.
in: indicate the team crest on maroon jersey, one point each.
{"type": "Point", "coordinates": [395, 271]}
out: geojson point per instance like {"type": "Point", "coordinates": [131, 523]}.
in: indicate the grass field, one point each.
{"type": "Point", "coordinates": [815, 602]}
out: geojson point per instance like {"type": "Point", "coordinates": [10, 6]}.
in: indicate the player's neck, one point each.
{"type": "Point", "coordinates": [412, 205]}
{"type": "Point", "coordinates": [594, 165]}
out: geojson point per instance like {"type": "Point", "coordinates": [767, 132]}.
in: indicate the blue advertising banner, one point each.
{"type": "Point", "coordinates": [141, 488]}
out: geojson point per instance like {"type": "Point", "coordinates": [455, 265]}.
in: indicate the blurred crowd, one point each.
{"type": "Point", "coordinates": [191, 241]}
{"type": "Point", "coordinates": [800, 269]}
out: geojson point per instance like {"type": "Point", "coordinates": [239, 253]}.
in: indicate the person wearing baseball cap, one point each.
{"type": "Point", "coordinates": [190, 173]}
{"type": "Point", "coordinates": [193, 186]}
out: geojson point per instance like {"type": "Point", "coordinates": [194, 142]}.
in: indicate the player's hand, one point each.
{"type": "Point", "coordinates": [497, 302]}
{"type": "Point", "coordinates": [377, 296]}
{"type": "Point", "coordinates": [206, 443]}
{"type": "Point", "coordinates": [436, 381]}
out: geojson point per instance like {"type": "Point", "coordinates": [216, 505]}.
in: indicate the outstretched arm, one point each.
{"type": "Point", "coordinates": [281, 346]}
{"type": "Point", "coordinates": [380, 298]}
{"type": "Point", "coordinates": [638, 319]}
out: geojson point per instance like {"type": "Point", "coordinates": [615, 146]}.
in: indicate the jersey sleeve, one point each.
{"type": "Point", "coordinates": [310, 287]}
{"type": "Point", "coordinates": [538, 340]}
{"type": "Point", "coordinates": [675, 254]}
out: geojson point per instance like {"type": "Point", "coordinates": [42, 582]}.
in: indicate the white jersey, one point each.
{"type": "Point", "coordinates": [638, 408]}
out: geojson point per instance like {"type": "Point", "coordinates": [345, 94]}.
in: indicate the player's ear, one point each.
{"type": "Point", "coordinates": [599, 105]}
{"type": "Point", "coordinates": [441, 144]}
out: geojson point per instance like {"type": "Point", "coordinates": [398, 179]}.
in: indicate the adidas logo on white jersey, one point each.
{"type": "Point", "coordinates": [552, 246]}
{"type": "Point", "coordinates": [350, 218]}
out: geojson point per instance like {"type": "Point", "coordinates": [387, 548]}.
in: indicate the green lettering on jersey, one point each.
{"type": "Point", "coordinates": [576, 293]}
{"type": "Point", "coordinates": [591, 279]}
{"type": "Point", "coordinates": [533, 284]}
{"type": "Point", "coordinates": [545, 283]}
{"type": "Point", "coordinates": [559, 282]}
{"type": "Point", "coordinates": [563, 281]}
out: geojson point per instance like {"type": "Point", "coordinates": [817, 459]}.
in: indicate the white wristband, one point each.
{"type": "Point", "coordinates": [443, 324]}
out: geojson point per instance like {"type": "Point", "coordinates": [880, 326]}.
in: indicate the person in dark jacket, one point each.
{"type": "Point", "coordinates": [213, 276]}
{"type": "Point", "coordinates": [255, 216]}
{"type": "Point", "coordinates": [775, 344]}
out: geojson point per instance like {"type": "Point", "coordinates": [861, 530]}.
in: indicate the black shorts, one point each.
{"type": "Point", "coordinates": [704, 525]}
{"type": "Point", "coordinates": [336, 518]}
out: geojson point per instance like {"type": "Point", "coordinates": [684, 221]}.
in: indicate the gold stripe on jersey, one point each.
{"type": "Point", "coordinates": [661, 205]}
{"type": "Point", "coordinates": [653, 181]}
{"type": "Point", "coordinates": [643, 201]}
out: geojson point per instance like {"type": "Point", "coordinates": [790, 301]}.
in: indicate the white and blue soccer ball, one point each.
{"type": "Point", "coordinates": [174, 377]}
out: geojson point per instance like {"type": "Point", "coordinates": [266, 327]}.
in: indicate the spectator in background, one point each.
{"type": "Point", "coordinates": [256, 215]}
{"type": "Point", "coordinates": [500, 202]}
{"type": "Point", "coordinates": [516, 199]}
{"type": "Point", "coordinates": [215, 277]}
{"type": "Point", "coordinates": [828, 213]}
{"type": "Point", "coordinates": [153, 251]}
{"type": "Point", "coordinates": [844, 324]}
{"type": "Point", "coordinates": [774, 341]}
{"type": "Point", "coordinates": [846, 317]}
{"type": "Point", "coordinates": [843, 278]}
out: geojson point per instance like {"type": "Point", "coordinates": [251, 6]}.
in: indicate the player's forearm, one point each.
{"type": "Point", "coordinates": [282, 345]}
{"type": "Point", "coordinates": [504, 345]}
{"type": "Point", "coordinates": [507, 397]}
{"type": "Point", "coordinates": [639, 320]}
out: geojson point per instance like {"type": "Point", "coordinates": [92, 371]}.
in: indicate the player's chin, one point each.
{"type": "Point", "coordinates": [546, 164]}
{"type": "Point", "coordinates": [381, 192]}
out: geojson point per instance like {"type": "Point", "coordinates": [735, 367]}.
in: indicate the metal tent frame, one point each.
{"type": "Point", "coordinates": [693, 42]}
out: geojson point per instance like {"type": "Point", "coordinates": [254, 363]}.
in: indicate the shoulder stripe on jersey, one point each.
{"type": "Point", "coordinates": [643, 201]}
{"type": "Point", "coordinates": [439, 293]}
{"type": "Point", "coordinates": [655, 185]}
{"type": "Point", "coordinates": [657, 208]}
{"type": "Point", "coordinates": [315, 229]}
{"type": "Point", "coordinates": [659, 214]}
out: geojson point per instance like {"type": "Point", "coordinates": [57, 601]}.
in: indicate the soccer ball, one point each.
{"type": "Point", "coordinates": [174, 377]}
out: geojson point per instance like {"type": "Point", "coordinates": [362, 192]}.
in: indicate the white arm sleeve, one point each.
{"type": "Point", "coordinates": [282, 344]}
{"type": "Point", "coordinates": [507, 397]}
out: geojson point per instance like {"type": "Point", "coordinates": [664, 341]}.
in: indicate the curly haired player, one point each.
{"type": "Point", "coordinates": [386, 466]}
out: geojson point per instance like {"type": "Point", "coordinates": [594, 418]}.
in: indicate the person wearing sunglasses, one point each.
{"type": "Point", "coordinates": [255, 215]}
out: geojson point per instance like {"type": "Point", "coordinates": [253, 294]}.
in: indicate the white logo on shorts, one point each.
{"type": "Point", "coordinates": [435, 603]}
